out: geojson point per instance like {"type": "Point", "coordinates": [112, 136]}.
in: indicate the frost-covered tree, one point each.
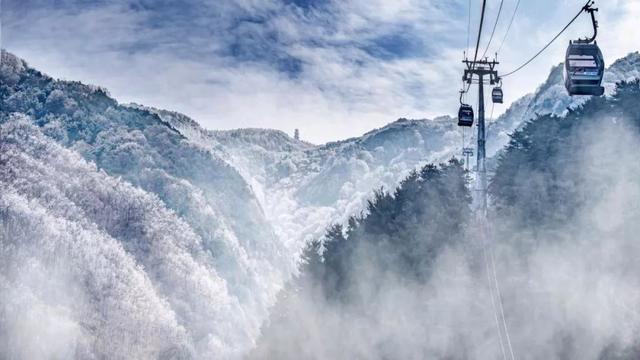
{"type": "Point", "coordinates": [212, 207]}
{"type": "Point", "coordinates": [99, 267]}
{"type": "Point", "coordinates": [342, 295]}
{"type": "Point", "coordinates": [535, 180]}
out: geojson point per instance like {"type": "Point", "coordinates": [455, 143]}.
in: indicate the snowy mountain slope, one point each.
{"type": "Point", "coordinates": [142, 274]}
{"type": "Point", "coordinates": [552, 98]}
{"type": "Point", "coordinates": [247, 200]}
{"type": "Point", "coordinates": [330, 182]}
{"type": "Point", "coordinates": [209, 198]}
{"type": "Point", "coordinates": [303, 188]}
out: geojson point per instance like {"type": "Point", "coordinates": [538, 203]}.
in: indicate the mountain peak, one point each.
{"type": "Point", "coordinates": [632, 57]}
{"type": "Point", "coordinates": [623, 69]}
{"type": "Point", "coordinates": [269, 139]}
{"type": "Point", "coordinates": [11, 66]}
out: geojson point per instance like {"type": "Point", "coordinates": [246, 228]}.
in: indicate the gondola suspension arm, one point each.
{"type": "Point", "coordinates": [586, 7]}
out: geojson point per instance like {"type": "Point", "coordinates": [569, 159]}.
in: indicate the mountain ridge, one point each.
{"type": "Point", "coordinates": [206, 196]}
{"type": "Point", "coordinates": [249, 199]}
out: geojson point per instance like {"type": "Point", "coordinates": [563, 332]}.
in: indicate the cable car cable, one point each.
{"type": "Point", "coordinates": [501, 305]}
{"type": "Point", "coordinates": [468, 26]}
{"type": "Point", "coordinates": [493, 298]}
{"type": "Point", "coordinates": [468, 36]}
{"type": "Point", "coordinates": [549, 43]}
{"type": "Point", "coordinates": [494, 29]}
{"type": "Point", "coordinates": [513, 16]}
{"type": "Point", "coordinates": [494, 284]}
{"type": "Point", "coordinates": [497, 288]}
{"type": "Point", "coordinates": [475, 57]}
{"type": "Point", "coordinates": [493, 274]}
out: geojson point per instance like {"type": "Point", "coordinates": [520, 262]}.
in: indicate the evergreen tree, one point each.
{"type": "Point", "coordinates": [400, 233]}
{"type": "Point", "coordinates": [535, 182]}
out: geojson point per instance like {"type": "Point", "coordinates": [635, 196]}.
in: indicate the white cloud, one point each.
{"type": "Point", "coordinates": [182, 61]}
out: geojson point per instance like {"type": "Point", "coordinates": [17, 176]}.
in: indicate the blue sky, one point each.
{"type": "Point", "coordinates": [333, 69]}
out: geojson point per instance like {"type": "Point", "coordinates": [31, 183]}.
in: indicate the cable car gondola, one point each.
{"type": "Point", "coordinates": [465, 115]}
{"type": "Point", "coordinates": [584, 69]}
{"type": "Point", "coordinates": [584, 64]}
{"type": "Point", "coordinates": [496, 95]}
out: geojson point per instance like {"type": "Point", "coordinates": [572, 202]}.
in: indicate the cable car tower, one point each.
{"type": "Point", "coordinates": [481, 71]}
{"type": "Point", "coordinates": [467, 152]}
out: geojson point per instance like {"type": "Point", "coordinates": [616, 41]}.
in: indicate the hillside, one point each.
{"type": "Point", "coordinates": [303, 187]}
{"type": "Point", "coordinates": [552, 276]}
{"type": "Point", "coordinates": [551, 98]}
{"type": "Point", "coordinates": [551, 152]}
{"type": "Point", "coordinates": [204, 198]}
{"type": "Point", "coordinates": [565, 193]}
{"type": "Point", "coordinates": [133, 230]}
{"type": "Point", "coordinates": [248, 200]}
{"type": "Point", "coordinates": [364, 290]}
{"type": "Point", "coordinates": [320, 184]}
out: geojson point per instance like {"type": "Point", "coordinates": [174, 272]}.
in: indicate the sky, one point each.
{"type": "Point", "coordinates": [331, 68]}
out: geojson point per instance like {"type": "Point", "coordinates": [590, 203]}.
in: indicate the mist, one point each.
{"type": "Point", "coordinates": [567, 289]}
{"type": "Point", "coordinates": [130, 232]}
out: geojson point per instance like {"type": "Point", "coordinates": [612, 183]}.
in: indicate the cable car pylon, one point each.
{"type": "Point", "coordinates": [482, 70]}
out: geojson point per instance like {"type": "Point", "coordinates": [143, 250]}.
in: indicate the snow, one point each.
{"type": "Point", "coordinates": [552, 98]}
{"type": "Point", "coordinates": [180, 241]}
{"type": "Point", "coordinates": [304, 188]}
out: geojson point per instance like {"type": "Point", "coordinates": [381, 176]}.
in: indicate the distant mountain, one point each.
{"type": "Point", "coordinates": [305, 187]}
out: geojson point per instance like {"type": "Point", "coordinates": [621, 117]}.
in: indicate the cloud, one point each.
{"type": "Point", "coordinates": [331, 68]}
